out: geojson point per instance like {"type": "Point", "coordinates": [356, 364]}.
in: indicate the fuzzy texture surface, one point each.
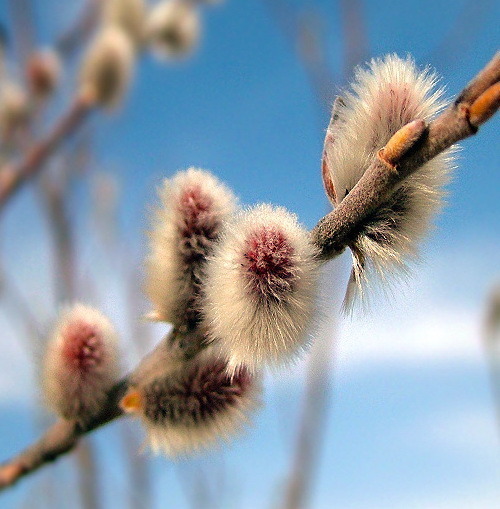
{"type": "Point", "coordinates": [129, 15]}
{"type": "Point", "coordinates": [80, 363]}
{"type": "Point", "coordinates": [260, 288]}
{"type": "Point", "coordinates": [173, 28]}
{"type": "Point", "coordinates": [384, 97]}
{"type": "Point", "coordinates": [194, 205]}
{"type": "Point", "coordinates": [195, 403]}
{"type": "Point", "coordinates": [108, 64]}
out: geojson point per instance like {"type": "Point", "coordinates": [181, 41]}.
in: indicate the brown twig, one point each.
{"type": "Point", "coordinates": [14, 175]}
{"type": "Point", "coordinates": [476, 104]}
{"type": "Point", "coordinates": [318, 393]}
{"type": "Point", "coordinates": [60, 439]}
{"type": "Point", "coordinates": [73, 37]}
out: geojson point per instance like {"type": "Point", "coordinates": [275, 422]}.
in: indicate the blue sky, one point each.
{"type": "Point", "coordinates": [411, 422]}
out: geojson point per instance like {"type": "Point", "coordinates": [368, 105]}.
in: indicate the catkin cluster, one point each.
{"type": "Point", "coordinates": [238, 284]}
{"type": "Point", "coordinates": [171, 29]}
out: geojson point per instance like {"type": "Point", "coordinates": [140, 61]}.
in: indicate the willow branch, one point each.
{"type": "Point", "coordinates": [59, 439]}
{"type": "Point", "coordinates": [13, 176]}
{"type": "Point", "coordinates": [73, 37]}
{"type": "Point", "coordinates": [399, 159]}
{"type": "Point", "coordinates": [407, 151]}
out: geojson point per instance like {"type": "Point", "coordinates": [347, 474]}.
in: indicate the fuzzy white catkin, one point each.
{"type": "Point", "coordinates": [384, 97]}
{"type": "Point", "coordinates": [193, 404]}
{"type": "Point", "coordinates": [260, 288]}
{"type": "Point", "coordinates": [108, 65]}
{"type": "Point", "coordinates": [129, 15]}
{"type": "Point", "coordinates": [80, 363]}
{"type": "Point", "coordinates": [173, 28]}
{"type": "Point", "coordinates": [194, 205]}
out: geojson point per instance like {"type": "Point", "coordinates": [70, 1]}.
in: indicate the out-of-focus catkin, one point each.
{"type": "Point", "coordinates": [129, 15]}
{"type": "Point", "coordinates": [173, 28]}
{"type": "Point", "coordinates": [43, 73]}
{"type": "Point", "coordinates": [107, 66]}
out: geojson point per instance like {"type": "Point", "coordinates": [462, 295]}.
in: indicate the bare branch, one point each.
{"type": "Point", "coordinates": [475, 105]}
{"type": "Point", "coordinates": [60, 439]}
{"type": "Point", "coordinates": [14, 175]}
{"type": "Point", "coordinates": [82, 27]}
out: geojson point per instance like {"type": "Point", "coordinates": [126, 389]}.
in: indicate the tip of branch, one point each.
{"type": "Point", "coordinates": [485, 106]}
{"type": "Point", "coordinates": [9, 473]}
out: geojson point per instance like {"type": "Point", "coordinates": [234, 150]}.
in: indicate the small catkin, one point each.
{"type": "Point", "coordinates": [384, 97]}
{"type": "Point", "coordinates": [80, 363]}
{"type": "Point", "coordinates": [260, 288]}
{"type": "Point", "coordinates": [173, 28]}
{"type": "Point", "coordinates": [14, 108]}
{"type": "Point", "coordinates": [129, 15]}
{"type": "Point", "coordinates": [43, 72]}
{"type": "Point", "coordinates": [107, 67]}
{"type": "Point", "coordinates": [194, 205]}
{"type": "Point", "coordinates": [193, 405]}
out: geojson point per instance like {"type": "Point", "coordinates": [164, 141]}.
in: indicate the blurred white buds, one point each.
{"type": "Point", "coordinates": [260, 288]}
{"type": "Point", "coordinates": [129, 15]}
{"type": "Point", "coordinates": [387, 95]}
{"type": "Point", "coordinates": [43, 72]}
{"type": "Point", "coordinates": [173, 28]}
{"type": "Point", "coordinates": [14, 108]}
{"type": "Point", "coordinates": [80, 363]}
{"type": "Point", "coordinates": [194, 405]}
{"type": "Point", "coordinates": [185, 228]}
{"type": "Point", "coordinates": [107, 66]}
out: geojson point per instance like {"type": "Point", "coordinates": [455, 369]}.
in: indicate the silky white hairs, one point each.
{"type": "Point", "coordinates": [194, 205]}
{"type": "Point", "coordinates": [260, 288]}
{"type": "Point", "coordinates": [192, 405]}
{"type": "Point", "coordinates": [384, 97]}
{"type": "Point", "coordinates": [80, 363]}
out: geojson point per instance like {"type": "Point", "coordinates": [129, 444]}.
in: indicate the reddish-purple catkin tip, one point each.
{"type": "Point", "coordinates": [194, 206]}
{"type": "Point", "coordinates": [194, 405]}
{"type": "Point", "coordinates": [80, 362]}
{"type": "Point", "coordinates": [269, 264]}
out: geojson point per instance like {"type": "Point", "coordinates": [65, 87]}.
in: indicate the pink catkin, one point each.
{"type": "Point", "coordinates": [194, 205]}
{"type": "Point", "coordinates": [268, 261]}
{"type": "Point", "coordinates": [83, 347]}
{"type": "Point", "coordinates": [260, 289]}
{"type": "Point", "coordinates": [80, 363]}
{"type": "Point", "coordinates": [196, 404]}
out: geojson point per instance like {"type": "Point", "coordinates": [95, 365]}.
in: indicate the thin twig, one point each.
{"type": "Point", "coordinates": [492, 347]}
{"type": "Point", "coordinates": [73, 37]}
{"type": "Point", "coordinates": [14, 175]}
{"type": "Point", "coordinates": [60, 438]}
